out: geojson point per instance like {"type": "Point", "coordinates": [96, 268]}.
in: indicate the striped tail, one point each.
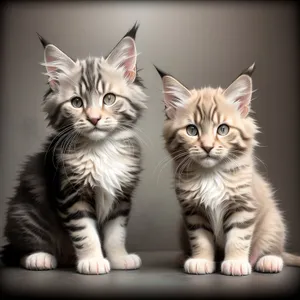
{"type": "Point", "coordinates": [291, 259]}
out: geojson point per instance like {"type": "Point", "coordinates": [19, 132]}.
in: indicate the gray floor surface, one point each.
{"type": "Point", "coordinates": [159, 277]}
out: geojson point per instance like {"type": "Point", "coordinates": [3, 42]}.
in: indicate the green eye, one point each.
{"type": "Point", "coordinates": [192, 130]}
{"type": "Point", "coordinates": [77, 102]}
{"type": "Point", "coordinates": [223, 129]}
{"type": "Point", "coordinates": [109, 99]}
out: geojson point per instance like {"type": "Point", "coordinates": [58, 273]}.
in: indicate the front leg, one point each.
{"type": "Point", "coordinates": [239, 223]}
{"type": "Point", "coordinates": [80, 221]}
{"type": "Point", "coordinates": [201, 242]}
{"type": "Point", "coordinates": [114, 231]}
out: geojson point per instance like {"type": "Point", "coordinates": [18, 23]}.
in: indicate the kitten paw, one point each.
{"type": "Point", "coordinates": [199, 266]}
{"type": "Point", "coordinates": [126, 262]}
{"type": "Point", "coordinates": [93, 266]}
{"type": "Point", "coordinates": [269, 264]}
{"type": "Point", "coordinates": [39, 261]}
{"type": "Point", "coordinates": [236, 267]}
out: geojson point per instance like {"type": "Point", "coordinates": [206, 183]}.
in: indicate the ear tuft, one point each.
{"type": "Point", "coordinates": [56, 62]}
{"type": "Point", "coordinates": [240, 94]}
{"type": "Point", "coordinates": [132, 32]}
{"type": "Point", "coordinates": [124, 55]}
{"type": "Point", "coordinates": [43, 41]}
{"type": "Point", "coordinates": [175, 93]}
{"type": "Point", "coordinates": [249, 71]}
{"type": "Point", "coordinates": [160, 72]}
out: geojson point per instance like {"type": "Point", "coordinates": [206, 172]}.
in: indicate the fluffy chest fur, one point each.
{"type": "Point", "coordinates": [104, 165]}
{"type": "Point", "coordinates": [210, 191]}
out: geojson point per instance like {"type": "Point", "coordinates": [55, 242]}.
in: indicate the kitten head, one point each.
{"type": "Point", "coordinates": [94, 97]}
{"type": "Point", "coordinates": [209, 126]}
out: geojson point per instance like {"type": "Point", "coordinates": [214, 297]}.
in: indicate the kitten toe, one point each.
{"type": "Point", "coordinates": [236, 267]}
{"type": "Point", "coordinates": [199, 266]}
{"type": "Point", "coordinates": [269, 264]}
{"type": "Point", "coordinates": [126, 262]}
{"type": "Point", "coordinates": [93, 266]}
{"type": "Point", "coordinates": [39, 261]}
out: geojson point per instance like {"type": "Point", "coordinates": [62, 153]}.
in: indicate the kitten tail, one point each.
{"type": "Point", "coordinates": [291, 259]}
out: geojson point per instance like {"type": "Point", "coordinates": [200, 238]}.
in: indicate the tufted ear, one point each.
{"type": "Point", "coordinates": [240, 91]}
{"type": "Point", "coordinates": [124, 54]}
{"type": "Point", "coordinates": [56, 62]}
{"type": "Point", "coordinates": [175, 93]}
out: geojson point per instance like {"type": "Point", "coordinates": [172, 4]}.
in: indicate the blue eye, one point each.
{"type": "Point", "coordinates": [223, 129]}
{"type": "Point", "coordinates": [192, 130]}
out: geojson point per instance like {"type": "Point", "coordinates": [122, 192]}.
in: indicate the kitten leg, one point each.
{"type": "Point", "coordinates": [39, 261]}
{"type": "Point", "coordinates": [114, 232]}
{"type": "Point", "coordinates": [80, 221]}
{"type": "Point", "coordinates": [238, 227]}
{"type": "Point", "coordinates": [202, 245]}
{"type": "Point", "coordinates": [29, 231]}
{"type": "Point", "coordinates": [268, 243]}
{"type": "Point", "coordinates": [269, 264]}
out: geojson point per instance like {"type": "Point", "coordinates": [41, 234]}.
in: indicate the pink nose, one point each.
{"type": "Point", "coordinates": [94, 121]}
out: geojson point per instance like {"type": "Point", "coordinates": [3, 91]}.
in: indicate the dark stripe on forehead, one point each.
{"type": "Point", "coordinates": [213, 109]}
{"type": "Point", "coordinates": [80, 88]}
{"type": "Point", "coordinates": [99, 77]}
{"type": "Point", "coordinates": [199, 110]}
{"type": "Point", "coordinates": [90, 64]}
{"type": "Point", "coordinates": [83, 80]}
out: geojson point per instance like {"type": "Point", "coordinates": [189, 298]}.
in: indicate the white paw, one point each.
{"type": "Point", "coordinates": [199, 266]}
{"type": "Point", "coordinates": [39, 261]}
{"type": "Point", "coordinates": [269, 264]}
{"type": "Point", "coordinates": [126, 262]}
{"type": "Point", "coordinates": [96, 265]}
{"type": "Point", "coordinates": [236, 267]}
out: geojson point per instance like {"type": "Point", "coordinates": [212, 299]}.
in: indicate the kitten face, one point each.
{"type": "Point", "coordinates": [96, 96]}
{"type": "Point", "coordinates": [209, 126]}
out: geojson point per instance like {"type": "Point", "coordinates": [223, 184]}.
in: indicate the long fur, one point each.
{"type": "Point", "coordinates": [73, 200]}
{"type": "Point", "coordinates": [226, 203]}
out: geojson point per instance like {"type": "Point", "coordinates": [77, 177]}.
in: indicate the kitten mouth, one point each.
{"type": "Point", "coordinates": [94, 129]}
{"type": "Point", "coordinates": [208, 157]}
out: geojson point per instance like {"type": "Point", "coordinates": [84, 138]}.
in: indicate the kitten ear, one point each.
{"type": "Point", "coordinates": [175, 93]}
{"type": "Point", "coordinates": [240, 91]}
{"type": "Point", "coordinates": [56, 62]}
{"type": "Point", "coordinates": [124, 54]}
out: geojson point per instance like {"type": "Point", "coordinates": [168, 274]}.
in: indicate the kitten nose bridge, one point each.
{"type": "Point", "coordinates": [93, 115]}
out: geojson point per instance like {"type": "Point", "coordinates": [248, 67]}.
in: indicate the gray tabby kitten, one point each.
{"type": "Point", "coordinates": [226, 204]}
{"type": "Point", "coordinates": [73, 201]}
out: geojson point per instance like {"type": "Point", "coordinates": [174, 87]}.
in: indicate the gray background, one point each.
{"type": "Point", "coordinates": [200, 43]}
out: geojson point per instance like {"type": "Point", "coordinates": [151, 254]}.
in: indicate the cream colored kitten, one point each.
{"type": "Point", "coordinates": [225, 202]}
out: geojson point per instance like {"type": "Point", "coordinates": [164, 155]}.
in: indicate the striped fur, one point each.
{"type": "Point", "coordinates": [226, 204]}
{"type": "Point", "coordinates": [73, 201]}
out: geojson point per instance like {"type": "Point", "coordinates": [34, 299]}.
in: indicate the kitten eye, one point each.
{"type": "Point", "coordinates": [109, 99]}
{"type": "Point", "coordinates": [223, 129]}
{"type": "Point", "coordinates": [192, 130]}
{"type": "Point", "coordinates": [77, 102]}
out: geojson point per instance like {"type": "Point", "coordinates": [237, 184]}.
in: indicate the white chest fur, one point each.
{"type": "Point", "coordinates": [100, 165]}
{"type": "Point", "coordinates": [209, 189]}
